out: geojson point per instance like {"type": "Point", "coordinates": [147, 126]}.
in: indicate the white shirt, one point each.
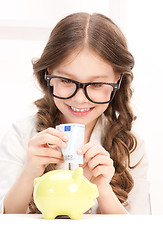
{"type": "Point", "coordinates": [13, 154]}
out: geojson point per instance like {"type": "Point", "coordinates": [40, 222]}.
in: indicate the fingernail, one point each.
{"type": "Point", "coordinates": [79, 151]}
{"type": "Point", "coordinates": [85, 161]}
{"type": "Point", "coordinates": [51, 145]}
{"type": "Point", "coordinates": [64, 145]}
{"type": "Point", "coordinates": [65, 138]}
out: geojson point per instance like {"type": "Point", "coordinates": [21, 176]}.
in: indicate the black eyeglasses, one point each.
{"type": "Point", "coordinates": [96, 92]}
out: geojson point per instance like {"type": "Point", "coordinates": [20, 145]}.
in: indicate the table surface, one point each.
{"type": "Point", "coordinates": [91, 226]}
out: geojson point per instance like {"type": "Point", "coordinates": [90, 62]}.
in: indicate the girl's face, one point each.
{"type": "Point", "coordinates": [85, 66]}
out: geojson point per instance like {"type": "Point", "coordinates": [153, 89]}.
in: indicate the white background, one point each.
{"type": "Point", "coordinates": [24, 30]}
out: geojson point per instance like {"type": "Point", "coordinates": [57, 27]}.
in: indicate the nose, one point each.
{"type": "Point", "coordinates": [80, 96]}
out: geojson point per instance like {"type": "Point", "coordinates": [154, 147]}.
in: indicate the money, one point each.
{"type": "Point", "coordinates": [75, 133]}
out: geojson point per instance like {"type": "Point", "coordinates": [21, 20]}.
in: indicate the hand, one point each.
{"type": "Point", "coordinates": [42, 150]}
{"type": "Point", "coordinates": [98, 164]}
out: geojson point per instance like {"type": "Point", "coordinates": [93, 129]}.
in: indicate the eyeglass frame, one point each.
{"type": "Point", "coordinates": [116, 86]}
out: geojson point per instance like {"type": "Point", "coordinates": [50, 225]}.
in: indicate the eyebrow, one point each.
{"type": "Point", "coordinates": [69, 75]}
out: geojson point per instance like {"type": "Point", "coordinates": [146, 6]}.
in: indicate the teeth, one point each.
{"type": "Point", "coordinates": [80, 110]}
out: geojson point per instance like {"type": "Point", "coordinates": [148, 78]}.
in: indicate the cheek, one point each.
{"type": "Point", "coordinates": [59, 103]}
{"type": "Point", "coordinates": [102, 108]}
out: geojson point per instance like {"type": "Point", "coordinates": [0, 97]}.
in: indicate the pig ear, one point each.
{"type": "Point", "coordinates": [36, 181]}
{"type": "Point", "coordinates": [78, 173]}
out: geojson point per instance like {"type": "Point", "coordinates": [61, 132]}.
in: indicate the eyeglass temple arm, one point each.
{"type": "Point", "coordinates": [119, 82]}
{"type": "Point", "coordinates": [45, 76]}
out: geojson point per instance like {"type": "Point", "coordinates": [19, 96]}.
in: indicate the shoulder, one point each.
{"type": "Point", "coordinates": [25, 126]}
{"type": "Point", "coordinates": [13, 145]}
{"type": "Point", "coordinates": [20, 131]}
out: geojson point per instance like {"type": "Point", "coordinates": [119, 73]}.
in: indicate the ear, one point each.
{"type": "Point", "coordinates": [77, 174]}
{"type": "Point", "coordinates": [117, 78]}
{"type": "Point", "coordinates": [49, 71]}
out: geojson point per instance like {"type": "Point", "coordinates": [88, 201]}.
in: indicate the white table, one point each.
{"type": "Point", "coordinates": [90, 227]}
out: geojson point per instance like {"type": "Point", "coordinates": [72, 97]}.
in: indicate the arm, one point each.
{"type": "Point", "coordinates": [109, 203]}
{"type": "Point", "coordinates": [20, 194]}
{"type": "Point", "coordinates": [100, 166]}
{"type": "Point", "coordinates": [39, 156]}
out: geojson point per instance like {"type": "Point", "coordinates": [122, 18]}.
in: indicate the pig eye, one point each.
{"type": "Point", "coordinates": [73, 188]}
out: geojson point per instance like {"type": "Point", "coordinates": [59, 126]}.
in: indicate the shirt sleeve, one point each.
{"type": "Point", "coordinates": [13, 154]}
{"type": "Point", "coordinates": [139, 197]}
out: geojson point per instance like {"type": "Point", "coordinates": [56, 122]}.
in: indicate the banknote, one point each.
{"type": "Point", "coordinates": [75, 133]}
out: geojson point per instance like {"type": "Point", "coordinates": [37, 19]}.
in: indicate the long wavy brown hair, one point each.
{"type": "Point", "coordinates": [100, 34]}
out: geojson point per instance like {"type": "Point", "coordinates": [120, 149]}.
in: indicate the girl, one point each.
{"type": "Point", "coordinates": [85, 73]}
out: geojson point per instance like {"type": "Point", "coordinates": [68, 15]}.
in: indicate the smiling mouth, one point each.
{"type": "Point", "coordinates": [80, 111]}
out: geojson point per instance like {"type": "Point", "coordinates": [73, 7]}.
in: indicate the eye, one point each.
{"type": "Point", "coordinates": [96, 85]}
{"type": "Point", "coordinates": [66, 81]}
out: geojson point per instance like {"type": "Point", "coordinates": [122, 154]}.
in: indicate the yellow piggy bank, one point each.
{"type": "Point", "coordinates": [64, 192]}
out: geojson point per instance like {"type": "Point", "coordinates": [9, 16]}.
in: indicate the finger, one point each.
{"type": "Point", "coordinates": [106, 171]}
{"type": "Point", "coordinates": [47, 160]}
{"type": "Point", "coordinates": [53, 160]}
{"type": "Point", "coordinates": [55, 132]}
{"type": "Point", "coordinates": [52, 140]}
{"type": "Point", "coordinates": [95, 150]}
{"type": "Point", "coordinates": [85, 148]}
{"type": "Point", "coordinates": [99, 160]}
{"type": "Point", "coordinates": [47, 152]}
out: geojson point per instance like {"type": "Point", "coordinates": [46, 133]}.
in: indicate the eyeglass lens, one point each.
{"type": "Point", "coordinates": [64, 88]}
